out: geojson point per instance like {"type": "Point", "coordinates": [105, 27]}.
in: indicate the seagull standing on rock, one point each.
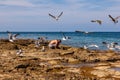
{"type": "Point", "coordinates": [43, 49]}
{"type": "Point", "coordinates": [19, 52]}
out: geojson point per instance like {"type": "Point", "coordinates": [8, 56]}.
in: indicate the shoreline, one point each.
{"type": "Point", "coordinates": [55, 64]}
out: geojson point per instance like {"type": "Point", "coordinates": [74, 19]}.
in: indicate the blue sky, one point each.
{"type": "Point", "coordinates": [32, 15]}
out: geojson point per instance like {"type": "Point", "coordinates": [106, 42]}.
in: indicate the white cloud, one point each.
{"type": "Point", "coordinates": [22, 3]}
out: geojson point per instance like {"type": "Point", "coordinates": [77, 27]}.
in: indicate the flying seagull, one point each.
{"type": "Point", "coordinates": [115, 20]}
{"type": "Point", "coordinates": [92, 45]}
{"type": "Point", "coordinates": [65, 37]}
{"type": "Point", "coordinates": [11, 36]}
{"type": "Point", "coordinates": [98, 21]}
{"type": "Point", "coordinates": [14, 36]}
{"type": "Point", "coordinates": [56, 17]}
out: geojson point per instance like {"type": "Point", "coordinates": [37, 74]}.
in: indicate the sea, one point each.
{"type": "Point", "coordinates": [77, 39]}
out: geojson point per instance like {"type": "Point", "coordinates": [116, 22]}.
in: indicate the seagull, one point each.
{"type": "Point", "coordinates": [65, 37]}
{"type": "Point", "coordinates": [37, 43]}
{"type": "Point", "coordinates": [11, 36]}
{"type": "Point", "coordinates": [111, 46]}
{"type": "Point", "coordinates": [14, 36]}
{"type": "Point", "coordinates": [42, 39]}
{"type": "Point", "coordinates": [56, 17]}
{"type": "Point", "coordinates": [98, 21]}
{"type": "Point", "coordinates": [43, 49]}
{"type": "Point", "coordinates": [93, 45]}
{"type": "Point", "coordinates": [19, 52]}
{"type": "Point", "coordinates": [117, 47]}
{"type": "Point", "coordinates": [115, 20]}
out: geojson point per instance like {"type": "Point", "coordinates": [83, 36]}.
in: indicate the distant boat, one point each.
{"type": "Point", "coordinates": [79, 31]}
{"type": "Point", "coordinates": [82, 31]}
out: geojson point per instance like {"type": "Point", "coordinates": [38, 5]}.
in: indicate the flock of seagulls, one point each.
{"type": "Point", "coordinates": [109, 46]}
{"type": "Point", "coordinates": [115, 20]}
{"type": "Point", "coordinates": [12, 37]}
{"type": "Point", "coordinates": [112, 46]}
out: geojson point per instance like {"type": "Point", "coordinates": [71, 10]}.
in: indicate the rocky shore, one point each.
{"type": "Point", "coordinates": [66, 63]}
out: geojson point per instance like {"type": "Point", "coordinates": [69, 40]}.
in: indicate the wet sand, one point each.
{"type": "Point", "coordinates": [66, 63]}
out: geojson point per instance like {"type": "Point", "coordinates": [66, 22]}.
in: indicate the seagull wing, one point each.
{"type": "Point", "coordinates": [93, 45]}
{"type": "Point", "coordinates": [63, 34]}
{"type": "Point", "coordinates": [99, 21]}
{"type": "Point", "coordinates": [52, 16]}
{"type": "Point", "coordinates": [117, 17]}
{"type": "Point", "coordinates": [15, 35]}
{"type": "Point", "coordinates": [111, 18]}
{"type": "Point", "coordinates": [10, 36]}
{"type": "Point", "coordinates": [93, 20]}
{"type": "Point", "coordinates": [60, 14]}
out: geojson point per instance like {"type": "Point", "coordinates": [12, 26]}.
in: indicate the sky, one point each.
{"type": "Point", "coordinates": [32, 15]}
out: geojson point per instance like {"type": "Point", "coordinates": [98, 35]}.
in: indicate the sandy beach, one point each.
{"type": "Point", "coordinates": [66, 63]}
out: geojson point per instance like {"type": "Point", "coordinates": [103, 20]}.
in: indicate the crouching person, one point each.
{"type": "Point", "coordinates": [54, 44]}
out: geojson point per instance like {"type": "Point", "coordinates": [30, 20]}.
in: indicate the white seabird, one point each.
{"type": "Point", "coordinates": [11, 36]}
{"type": "Point", "coordinates": [65, 37]}
{"type": "Point", "coordinates": [90, 46]}
{"type": "Point", "coordinates": [115, 20]}
{"type": "Point", "coordinates": [19, 52]}
{"type": "Point", "coordinates": [111, 46]}
{"type": "Point", "coordinates": [56, 17]}
{"type": "Point", "coordinates": [98, 21]}
{"type": "Point", "coordinates": [43, 49]}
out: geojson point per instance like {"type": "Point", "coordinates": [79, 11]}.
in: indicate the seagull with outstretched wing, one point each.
{"type": "Point", "coordinates": [56, 17]}
{"type": "Point", "coordinates": [11, 36]}
{"type": "Point", "coordinates": [98, 21]}
{"type": "Point", "coordinates": [115, 20]}
{"type": "Point", "coordinates": [14, 36]}
{"type": "Point", "coordinates": [65, 37]}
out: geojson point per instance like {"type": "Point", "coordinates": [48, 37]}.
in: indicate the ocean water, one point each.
{"type": "Point", "coordinates": [78, 39]}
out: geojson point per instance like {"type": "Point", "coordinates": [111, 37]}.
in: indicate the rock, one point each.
{"type": "Point", "coordinates": [102, 67]}
{"type": "Point", "coordinates": [103, 64]}
{"type": "Point", "coordinates": [52, 62]}
{"type": "Point", "coordinates": [100, 73]}
{"type": "Point", "coordinates": [66, 53]}
{"type": "Point", "coordinates": [72, 60]}
{"type": "Point", "coordinates": [73, 70]}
